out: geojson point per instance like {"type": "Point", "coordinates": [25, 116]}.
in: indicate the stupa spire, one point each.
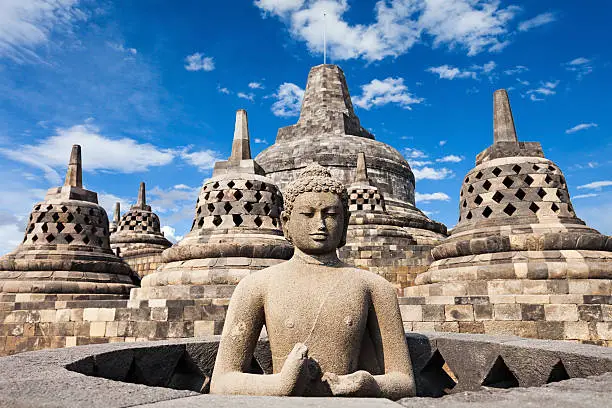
{"type": "Point", "coordinates": [74, 175]}
{"type": "Point", "coordinates": [241, 147]}
{"type": "Point", "coordinates": [142, 195]}
{"type": "Point", "coordinates": [503, 122]}
{"type": "Point", "coordinates": [361, 175]}
{"type": "Point", "coordinates": [117, 213]}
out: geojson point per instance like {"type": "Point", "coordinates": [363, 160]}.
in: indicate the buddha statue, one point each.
{"type": "Point", "coordinates": [333, 330]}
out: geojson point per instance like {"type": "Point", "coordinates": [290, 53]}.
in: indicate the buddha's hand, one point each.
{"type": "Point", "coordinates": [294, 374]}
{"type": "Point", "coordinates": [357, 384]}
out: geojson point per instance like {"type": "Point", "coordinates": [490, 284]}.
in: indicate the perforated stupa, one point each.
{"type": "Point", "coordinates": [66, 247]}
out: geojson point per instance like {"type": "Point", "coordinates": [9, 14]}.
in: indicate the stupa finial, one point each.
{"type": "Point", "coordinates": [503, 122]}
{"type": "Point", "coordinates": [117, 213]}
{"type": "Point", "coordinates": [142, 196]}
{"type": "Point", "coordinates": [241, 147]}
{"type": "Point", "coordinates": [74, 175]}
{"type": "Point", "coordinates": [361, 175]}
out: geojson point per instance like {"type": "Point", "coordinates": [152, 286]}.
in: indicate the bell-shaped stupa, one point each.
{"type": "Point", "coordinates": [516, 222]}
{"type": "Point", "coordinates": [66, 247]}
{"type": "Point", "coordinates": [138, 238]}
{"type": "Point", "coordinates": [375, 239]}
{"type": "Point", "coordinates": [236, 231]}
{"type": "Point", "coordinates": [330, 133]}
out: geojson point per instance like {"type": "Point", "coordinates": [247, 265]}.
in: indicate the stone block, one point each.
{"type": "Point", "coordinates": [62, 315]}
{"type": "Point", "coordinates": [483, 312]}
{"type": "Point", "coordinates": [203, 328]}
{"type": "Point", "coordinates": [534, 299]}
{"type": "Point", "coordinates": [561, 313]}
{"type": "Point", "coordinates": [606, 313]}
{"type": "Point", "coordinates": [97, 329]}
{"type": "Point", "coordinates": [604, 330]}
{"type": "Point", "coordinates": [423, 326]}
{"type": "Point", "coordinates": [433, 313]}
{"type": "Point", "coordinates": [576, 331]}
{"type": "Point", "coordinates": [411, 313]}
{"type": "Point", "coordinates": [507, 311]}
{"type": "Point", "coordinates": [551, 330]}
{"type": "Point", "coordinates": [531, 312]}
{"type": "Point", "coordinates": [590, 313]}
{"type": "Point", "coordinates": [459, 313]}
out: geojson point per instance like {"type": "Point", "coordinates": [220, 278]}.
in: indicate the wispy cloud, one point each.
{"type": "Point", "coordinates": [199, 62]}
{"type": "Point", "coordinates": [260, 141]}
{"type": "Point", "coordinates": [537, 21]}
{"type": "Point", "coordinates": [288, 100]}
{"type": "Point", "coordinates": [519, 69]}
{"type": "Point", "coordinates": [449, 72]}
{"type": "Point", "coordinates": [223, 90]}
{"type": "Point", "coordinates": [546, 89]}
{"type": "Point", "coordinates": [256, 85]}
{"type": "Point", "coordinates": [582, 126]}
{"type": "Point", "coordinates": [428, 197]}
{"type": "Point", "coordinates": [581, 66]}
{"type": "Point", "coordinates": [388, 91]}
{"type": "Point", "coordinates": [248, 97]}
{"type": "Point", "coordinates": [596, 185]}
{"type": "Point", "coordinates": [430, 173]}
{"type": "Point", "coordinates": [589, 195]}
{"type": "Point", "coordinates": [451, 158]}
{"type": "Point", "coordinates": [203, 159]}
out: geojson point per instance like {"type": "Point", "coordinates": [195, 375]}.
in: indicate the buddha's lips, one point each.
{"type": "Point", "coordinates": [319, 236]}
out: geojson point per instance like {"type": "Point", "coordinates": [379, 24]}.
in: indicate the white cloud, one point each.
{"type": "Point", "coordinates": [260, 141]}
{"type": "Point", "coordinates": [122, 48]}
{"type": "Point", "coordinates": [581, 66]}
{"type": "Point", "coordinates": [442, 142]}
{"type": "Point", "coordinates": [171, 200]}
{"type": "Point", "coordinates": [545, 89]}
{"type": "Point", "coordinates": [589, 195]}
{"type": "Point", "coordinates": [451, 158]}
{"type": "Point", "coordinates": [522, 82]}
{"type": "Point", "coordinates": [170, 234]}
{"type": "Point", "coordinates": [203, 159]}
{"type": "Point", "coordinates": [256, 85]}
{"type": "Point", "coordinates": [428, 197]}
{"type": "Point", "coordinates": [450, 72]}
{"type": "Point", "coordinates": [389, 90]}
{"type": "Point", "coordinates": [248, 97]}
{"type": "Point", "coordinates": [411, 153]}
{"type": "Point", "coordinates": [519, 69]}
{"type": "Point", "coordinates": [596, 185]}
{"type": "Point", "coordinates": [579, 61]}
{"type": "Point", "coordinates": [26, 25]}
{"type": "Point", "coordinates": [223, 90]}
{"type": "Point", "coordinates": [288, 100]}
{"type": "Point", "coordinates": [108, 200]}
{"type": "Point", "coordinates": [537, 21]}
{"type": "Point", "coordinates": [475, 25]}
{"type": "Point", "coordinates": [99, 152]}
{"type": "Point", "coordinates": [430, 173]}
{"type": "Point", "coordinates": [419, 163]}
{"type": "Point", "coordinates": [582, 126]}
{"type": "Point", "coordinates": [199, 62]}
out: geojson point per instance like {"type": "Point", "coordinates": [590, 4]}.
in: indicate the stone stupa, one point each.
{"type": "Point", "coordinates": [138, 238]}
{"type": "Point", "coordinates": [66, 248]}
{"type": "Point", "coordinates": [329, 132]}
{"type": "Point", "coordinates": [236, 231]}
{"type": "Point", "coordinates": [375, 239]}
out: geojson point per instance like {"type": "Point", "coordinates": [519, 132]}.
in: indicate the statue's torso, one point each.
{"type": "Point", "coordinates": [323, 307]}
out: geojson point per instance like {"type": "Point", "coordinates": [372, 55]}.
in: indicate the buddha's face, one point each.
{"type": "Point", "coordinates": [316, 225]}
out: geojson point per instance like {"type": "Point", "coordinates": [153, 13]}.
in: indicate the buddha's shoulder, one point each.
{"type": "Point", "coordinates": [368, 277]}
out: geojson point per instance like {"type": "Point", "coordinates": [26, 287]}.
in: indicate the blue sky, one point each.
{"type": "Point", "coordinates": [150, 89]}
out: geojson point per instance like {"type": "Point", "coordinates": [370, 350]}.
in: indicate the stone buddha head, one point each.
{"type": "Point", "coordinates": [316, 216]}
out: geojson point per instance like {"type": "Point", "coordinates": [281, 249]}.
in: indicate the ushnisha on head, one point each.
{"type": "Point", "coordinates": [316, 215]}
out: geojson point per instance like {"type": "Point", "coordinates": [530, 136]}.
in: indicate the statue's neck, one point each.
{"type": "Point", "coordinates": [329, 259]}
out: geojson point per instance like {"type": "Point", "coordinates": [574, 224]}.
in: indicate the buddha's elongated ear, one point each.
{"type": "Point", "coordinates": [285, 216]}
{"type": "Point", "coordinates": [347, 217]}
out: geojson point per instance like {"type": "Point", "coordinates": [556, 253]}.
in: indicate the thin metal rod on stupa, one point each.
{"type": "Point", "coordinates": [117, 213]}
{"type": "Point", "coordinates": [503, 122]}
{"type": "Point", "coordinates": [142, 195]}
{"type": "Point", "coordinates": [74, 175]}
{"type": "Point", "coordinates": [324, 38]}
{"type": "Point", "coordinates": [361, 174]}
{"type": "Point", "coordinates": [241, 146]}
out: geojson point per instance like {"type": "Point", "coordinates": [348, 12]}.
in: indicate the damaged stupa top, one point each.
{"type": "Point", "coordinates": [66, 247]}
{"type": "Point", "coordinates": [516, 219]}
{"type": "Point", "coordinates": [138, 236]}
{"type": "Point", "coordinates": [236, 230]}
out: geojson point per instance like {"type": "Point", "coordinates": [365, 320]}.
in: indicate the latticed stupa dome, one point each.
{"type": "Point", "coordinates": [516, 218]}
{"type": "Point", "coordinates": [138, 238]}
{"type": "Point", "coordinates": [236, 230]}
{"type": "Point", "coordinates": [66, 247]}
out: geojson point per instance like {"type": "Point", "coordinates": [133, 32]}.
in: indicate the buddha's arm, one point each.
{"type": "Point", "coordinates": [387, 331]}
{"type": "Point", "coordinates": [243, 323]}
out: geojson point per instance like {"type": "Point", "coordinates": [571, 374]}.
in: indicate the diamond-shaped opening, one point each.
{"type": "Point", "coordinates": [91, 211]}
{"type": "Point", "coordinates": [35, 238]}
{"type": "Point", "coordinates": [266, 209]}
{"type": "Point", "coordinates": [510, 209]}
{"type": "Point", "coordinates": [497, 197]}
{"type": "Point", "coordinates": [64, 208]}
{"type": "Point", "coordinates": [478, 200]}
{"type": "Point", "coordinates": [40, 217]}
{"type": "Point", "coordinates": [231, 184]}
{"type": "Point", "coordinates": [237, 219]}
{"type": "Point", "coordinates": [217, 220]}
{"type": "Point", "coordinates": [516, 168]}
{"type": "Point", "coordinates": [548, 179]}
{"type": "Point", "coordinates": [354, 201]}
{"type": "Point", "coordinates": [570, 208]}
{"type": "Point", "coordinates": [237, 195]}
{"type": "Point", "coordinates": [44, 227]}
{"type": "Point", "coordinates": [469, 215]}
{"type": "Point", "coordinates": [559, 194]}
{"type": "Point", "coordinates": [551, 168]}
{"type": "Point", "coordinates": [461, 194]}
{"type": "Point", "coordinates": [248, 207]}
{"type": "Point", "coordinates": [520, 194]}
{"type": "Point", "coordinates": [470, 189]}
{"type": "Point", "coordinates": [558, 373]}
{"type": "Point", "coordinates": [536, 167]}
{"type": "Point", "coordinates": [248, 185]}
{"type": "Point", "coordinates": [507, 182]}
{"type": "Point", "coordinates": [49, 207]}
{"type": "Point", "coordinates": [211, 207]}
{"type": "Point", "coordinates": [534, 208]}
{"type": "Point", "coordinates": [258, 196]}
{"type": "Point", "coordinates": [487, 185]}
{"type": "Point", "coordinates": [86, 220]}
{"type": "Point", "coordinates": [359, 207]}
{"type": "Point", "coordinates": [200, 222]}
{"type": "Point", "coordinates": [258, 221]}
{"type": "Point", "coordinates": [219, 195]}
{"type": "Point", "coordinates": [60, 227]}
{"type": "Point", "coordinates": [562, 180]}
{"type": "Point", "coordinates": [216, 185]}
{"type": "Point", "coordinates": [500, 376]}
{"type": "Point", "coordinates": [487, 212]}
{"type": "Point", "coordinates": [274, 222]}
{"type": "Point", "coordinates": [227, 207]}
{"type": "Point", "coordinates": [131, 227]}
{"type": "Point", "coordinates": [479, 175]}
{"type": "Point", "coordinates": [50, 238]}
{"type": "Point", "coordinates": [37, 207]}
{"type": "Point", "coordinates": [31, 228]}
{"type": "Point", "coordinates": [70, 218]}
{"type": "Point", "coordinates": [497, 171]}
{"type": "Point", "coordinates": [68, 238]}
{"type": "Point", "coordinates": [541, 193]}
{"type": "Point", "coordinates": [437, 377]}
{"type": "Point", "coordinates": [78, 228]}
{"type": "Point", "coordinates": [555, 207]}
{"type": "Point", "coordinates": [528, 180]}
{"type": "Point", "coordinates": [199, 210]}
{"type": "Point", "coordinates": [467, 180]}
{"type": "Point", "coordinates": [464, 203]}
{"type": "Point", "coordinates": [78, 210]}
